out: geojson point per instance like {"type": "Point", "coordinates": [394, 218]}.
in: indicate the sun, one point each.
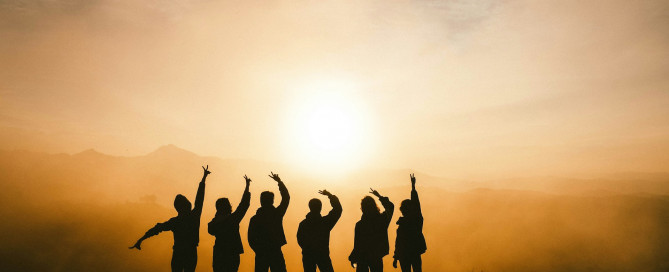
{"type": "Point", "coordinates": [329, 127]}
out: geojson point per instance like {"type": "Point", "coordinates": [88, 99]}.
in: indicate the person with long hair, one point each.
{"type": "Point", "coordinates": [225, 227]}
{"type": "Point", "coordinates": [370, 244]}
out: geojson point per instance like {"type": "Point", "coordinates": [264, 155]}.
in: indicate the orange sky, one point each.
{"type": "Point", "coordinates": [453, 88]}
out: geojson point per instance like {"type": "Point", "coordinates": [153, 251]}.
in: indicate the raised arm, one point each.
{"type": "Point", "coordinates": [334, 214]}
{"type": "Point", "coordinates": [389, 207]}
{"type": "Point", "coordinates": [158, 228]}
{"type": "Point", "coordinates": [285, 196]}
{"type": "Point", "coordinates": [199, 198]}
{"type": "Point", "coordinates": [244, 203]}
{"type": "Point", "coordinates": [414, 196]}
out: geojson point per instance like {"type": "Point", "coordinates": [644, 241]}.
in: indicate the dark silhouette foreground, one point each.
{"type": "Point", "coordinates": [185, 227]}
{"type": "Point", "coordinates": [313, 234]}
{"type": "Point", "coordinates": [410, 242]}
{"type": "Point", "coordinates": [371, 234]}
{"type": "Point", "coordinates": [225, 227]}
{"type": "Point", "coordinates": [266, 235]}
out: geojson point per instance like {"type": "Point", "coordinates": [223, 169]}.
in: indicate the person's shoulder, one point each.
{"type": "Point", "coordinates": [303, 223]}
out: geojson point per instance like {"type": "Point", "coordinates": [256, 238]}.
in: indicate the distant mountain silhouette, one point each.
{"type": "Point", "coordinates": [89, 153]}
{"type": "Point", "coordinates": [172, 151]}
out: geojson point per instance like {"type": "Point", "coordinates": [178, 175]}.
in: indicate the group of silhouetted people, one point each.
{"type": "Point", "coordinates": [266, 235]}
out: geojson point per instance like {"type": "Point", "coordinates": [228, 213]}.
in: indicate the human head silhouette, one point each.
{"type": "Point", "coordinates": [223, 206]}
{"type": "Point", "coordinates": [267, 199]}
{"type": "Point", "coordinates": [181, 204]}
{"type": "Point", "coordinates": [315, 205]}
{"type": "Point", "coordinates": [407, 207]}
{"type": "Point", "coordinates": [368, 206]}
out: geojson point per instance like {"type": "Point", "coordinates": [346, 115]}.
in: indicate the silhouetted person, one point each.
{"type": "Point", "coordinates": [185, 227]}
{"type": "Point", "coordinates": [313, 234]}
{"type": "Point", "coordinates": [371, 234]}
{"type": "Point", "coordinates": [225, 226]}
{"type": "Point", "coordinates": [410, 242]}
{"type": "Point", "coordinates": [266, 236]}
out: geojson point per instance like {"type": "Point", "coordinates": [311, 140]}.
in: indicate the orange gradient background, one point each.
{"type": "Point", "coordinates": [538, 130]}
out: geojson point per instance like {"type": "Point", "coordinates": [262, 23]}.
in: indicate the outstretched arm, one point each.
{"type": "Point", "coordinates": [158, 228]}
{"type": "Point", "coordinates": [389, 207]}
{"type": "Point", "coordinates": [285, 196]}
{"type": "Point", "coordinates": [199, 198]}
{"type": "Point", "coordinates": [244, 203]}
{"type": "Point", "coordinates": [334, 214]}
{"type": "Point", "coordinates": [414, 196]}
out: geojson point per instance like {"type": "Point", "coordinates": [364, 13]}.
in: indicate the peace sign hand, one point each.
{"type": "Point", "coordinates": [275, 177]}
{"type": "Point", "coordinates": [374, 192]}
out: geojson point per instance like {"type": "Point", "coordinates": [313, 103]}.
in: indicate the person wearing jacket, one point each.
{"type": "Point", "coordinates": [370, 244]}
{"type": "Point", "coordinates": [266, 235]}
{"type": "Point", "coordinates": [410, 241]}
{"type": "Point", "coordinates": [313, 234]}
{"type": "Point", "coordinates": [185, 227]}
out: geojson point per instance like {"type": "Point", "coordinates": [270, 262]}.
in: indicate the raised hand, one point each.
{"type": "Point", "coordinates": [137, 245]}
{"type": "Point", "coordinates": [275, 177]}
{"type": "Point", "coordinates": [206, 170]}
{"type": "Point", "coordinates": [325, 192]}
{"type": "Point", "coordinates": [247, 179]}
{"type": "Point", "coordinates": [413, 179]}
{"type": "Point", "coordinates": [374, 192]}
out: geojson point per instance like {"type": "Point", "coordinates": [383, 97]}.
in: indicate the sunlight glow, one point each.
{"type": "Point", "coordinates": [329, 127]}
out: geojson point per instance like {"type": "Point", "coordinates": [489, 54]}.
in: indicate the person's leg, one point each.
{"type": "Point", "coordinates": [262, 262]}
{"type": "Point", "coordinates": [362, 267]}
{"type": "Point", "coordinates": [418, 264]}
{"type": "Point", "coordinates": [226, 262]}
{"type": "Point", "coordinates": [405, 264]}
{"type": "Point", "coordinates": [190, 260]}
{"type": "Point", "coordinates": [177, 265]}
{"type": "Point", "coordinates": [217, 262]}
{"type": "Point", "coordinates": [308, 263]}
{"type": "Point", "coordinates": [234, 263]}
{"type": "Point", "coordinates": [359, 267]}
{"type": "Point", "coordinates": [277, 262]}
{"type": "Point", "coordinates": [376, 265]}
{"type": "Point", "coordinates": [325, 264]}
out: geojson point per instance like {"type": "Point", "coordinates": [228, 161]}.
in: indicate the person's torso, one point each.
{"type": "Point", "coordinates": [269, 228]}
{"type": "Point", "coordinates": [373, 236]}
{"type": "Point", "coordinates": [227, 234]}
{"type": "Point", "coordinates": [316, 235]}
{"type": "Point", "coordinates": [186, 231]}
{"type": "Point", "coordinates": [410, 239]}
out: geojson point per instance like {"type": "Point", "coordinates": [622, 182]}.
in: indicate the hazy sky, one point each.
{"type": "Point", "coordinates": [452, 88]}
